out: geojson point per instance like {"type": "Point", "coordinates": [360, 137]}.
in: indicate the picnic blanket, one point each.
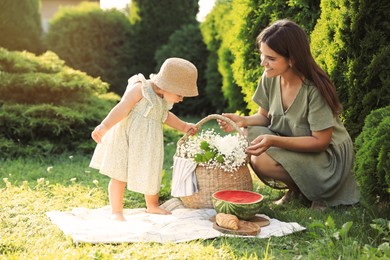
{"type": "Point", "coordinates": [95, 226]}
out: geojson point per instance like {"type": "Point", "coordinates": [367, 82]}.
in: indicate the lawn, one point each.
{"type": "Point", "coordinates": [29, 187]}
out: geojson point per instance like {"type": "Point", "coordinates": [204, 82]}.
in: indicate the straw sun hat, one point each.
{"type": "Point", "coordinates": [177, 76]}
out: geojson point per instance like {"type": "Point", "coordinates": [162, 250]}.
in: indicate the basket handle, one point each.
{"type": "Point", "coordinates": [211, 117]}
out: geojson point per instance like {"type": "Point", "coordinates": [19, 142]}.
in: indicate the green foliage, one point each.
{"type": "Point", "coordinates": [153, 23]}
{"type": "Point", "coordinates": [219, 74]}
{"type": "Point", "coordinates": [373, 157]}
{"type": "Point", "coordinates": [250, 17]}
{"type": "Point", "coordinates": [330, 236]}
{"type": "Point", "coordinates": [20, 25]}
{"type": "Point", "coordinates": [16, 62]}
{"type": "Point", "coordinates": [350, 41]}
{"type": "Point", "coordinates": [95, 41]}
{"type": "Point", "coordinates": [187, 43]}
{"type": "Point", "coordinates": [47, 107]}
{"type": "Point", "coordinates": [212, 39]}
{"type": "Point", "coordinates": [369, 61]}
{"type": "Point", "coordinates": [208, 153]}
{"type": "Point", "coordinates": [328, 43]}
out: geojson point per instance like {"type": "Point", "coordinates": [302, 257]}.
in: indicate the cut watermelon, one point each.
{"type": "Point", "coordinates": [244, 204]}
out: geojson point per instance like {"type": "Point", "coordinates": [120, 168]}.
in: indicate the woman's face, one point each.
{"type": "Point", "coordinates": [274, 64]}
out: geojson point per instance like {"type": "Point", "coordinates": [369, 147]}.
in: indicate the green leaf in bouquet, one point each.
{"type": "Point", "coordinates": [198, 158]}
{"type": "Point", "coordinates": [220, 158]}
{"type": "Point", "coordinates": [204, 145]}
{"type": "Point", "coordinates": [209, 155]}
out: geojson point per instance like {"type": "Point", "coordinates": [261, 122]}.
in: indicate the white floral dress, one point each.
{"type": "Point", "coordinates": [132, 151]}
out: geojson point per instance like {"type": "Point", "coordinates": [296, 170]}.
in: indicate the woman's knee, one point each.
{"type": "Point", "coordinates": [265, 165]}
{"type": "Point", "coordinates": [259, 164]}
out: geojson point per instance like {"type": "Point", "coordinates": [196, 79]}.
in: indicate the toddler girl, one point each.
{"type": "Point", "coordinates": [130, 147]}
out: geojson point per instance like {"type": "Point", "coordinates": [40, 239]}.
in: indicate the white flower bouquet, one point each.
{"type": "Point", "coordinates": [212, 163]}
{"type": "Point", "coordinates": [212, 150]}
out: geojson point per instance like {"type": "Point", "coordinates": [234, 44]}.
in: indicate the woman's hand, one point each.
{"type": "Point", "coordinates": [191, 128]}
{"type": "Point", "coordinates": [259, 145]}
{"type": "Point", "coordinates": [226, 127]}
{"type": "Point", "coordinates": [99, 132]}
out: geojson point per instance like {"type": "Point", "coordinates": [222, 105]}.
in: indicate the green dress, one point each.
{"type": "Point", "coordinates": [326, 175]}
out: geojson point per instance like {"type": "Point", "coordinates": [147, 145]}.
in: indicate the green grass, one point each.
{"type": "Point", "coordinates": [30, 187]}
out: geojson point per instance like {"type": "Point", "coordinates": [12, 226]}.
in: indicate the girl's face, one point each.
{"type": "Point", "coordinates": [274, 64]}
{"type": "Point", "coordinates": [172, 98]}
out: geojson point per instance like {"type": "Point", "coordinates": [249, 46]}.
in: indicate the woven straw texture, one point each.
{"type": "Point", "coordinates": [211, 180]}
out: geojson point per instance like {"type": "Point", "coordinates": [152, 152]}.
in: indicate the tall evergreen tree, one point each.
{"type": "Point", "coordinates": [350, 41]}
{"type": "Point", "coordinates": [153, 22]}
{"type": "Point", "coordinates": [20, 25]}
{"type": "Point", "coordinates": [328, 43]}
{"type": "Point", "coordinates": [219, 74]}
{"type": "Point", "coordinates": [368, 61]}
{"type": "Point", "coordinates": [212, 38]}
{"type": "Point", "coordinates": [187, 43]}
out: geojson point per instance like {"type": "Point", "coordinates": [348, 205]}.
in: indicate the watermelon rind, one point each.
{"type": "Point", "coordinates": [243, 211]}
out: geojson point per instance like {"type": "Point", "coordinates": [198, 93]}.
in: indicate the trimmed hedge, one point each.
{"type": "Point", "coordinates": [373, 156]}
{"type": "Point", "coordinates": [219, 75]}
{"type": "Point", "coordinates": [350, 41]}
{"type": "Point", "coordinates": [47, 107]}
{"type": "Point", "coordinates": [20, 25]}
{"type": "Point", "coordinates": [98, 42]}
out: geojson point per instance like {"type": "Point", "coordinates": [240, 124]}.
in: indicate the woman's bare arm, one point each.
{"type": "Point", "coordinates": [317, 142]}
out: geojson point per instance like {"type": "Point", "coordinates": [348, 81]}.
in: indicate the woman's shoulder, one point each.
{"type": "Point", "coordinates": [268, 85]}
{"type": "Point", "coordinates": [311, 89]}
{"type": "Point", "coordinates": [308, 83]}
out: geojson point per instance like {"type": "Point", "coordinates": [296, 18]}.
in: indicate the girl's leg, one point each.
{"type": "Point", "coordinates": [152, 205]}
{"type": "Point", "coordinates": [116, 191]}
{"type": "Point", "coordinates": [265, 166]}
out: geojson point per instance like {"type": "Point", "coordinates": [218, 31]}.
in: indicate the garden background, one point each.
{"type": "Point", "coordinates": [57, 85]}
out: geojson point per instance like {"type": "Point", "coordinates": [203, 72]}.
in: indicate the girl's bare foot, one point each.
{"type": "Point", "coordinates": [118, 216]}
{"type": "Point", "coordinates": [158, 210]}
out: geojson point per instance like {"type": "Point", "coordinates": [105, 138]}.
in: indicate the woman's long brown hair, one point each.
{"type": "Point", "coordinates": [289, 40]}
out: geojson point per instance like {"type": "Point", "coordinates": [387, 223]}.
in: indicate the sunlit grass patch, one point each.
{"type": "Point", "coordinates": [30, 188]}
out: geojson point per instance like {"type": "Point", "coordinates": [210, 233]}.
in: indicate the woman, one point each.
{"type": "Point", "coordinates": [296, 136]}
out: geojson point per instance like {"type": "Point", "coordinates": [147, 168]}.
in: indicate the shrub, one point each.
{"type": "Point", "coordinates": [373, 156]}
{"type": "Point", "coordinates": [351, 44]}
{"type": "Point", "coordinates": [20, 25]}
{"type": "Point", "coordinates": [369, 61]}
{"type": "Point", "coordinates": [47, 107]}
{"type": "Point", "coordinates": [95, 41]}
{"type": "Point", "coordinates": [219, 74]}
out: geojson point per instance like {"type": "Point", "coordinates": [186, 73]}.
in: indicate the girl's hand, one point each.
{"type": "Point", "coordinates": [99, 132]}
{"type": "Point", "coordinates": [226, 127]}
{"type": "Point", "coordinates": [259, 145]}
{"type": "Point", "coordinates": [191, 128]}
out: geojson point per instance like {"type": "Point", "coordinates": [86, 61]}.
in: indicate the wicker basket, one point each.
{"type": "Point", "coordinates": [212, 180]}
